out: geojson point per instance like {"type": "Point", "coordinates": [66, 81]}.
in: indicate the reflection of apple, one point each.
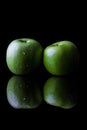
{"type": "Point", "coordinates": [23, 55]}
{"type": "Point", "coordinates": [60, 92]}
{"type": "Point", "coordinates": [23, 93]}
{"type": "Point", "coordinates": [61, 58]}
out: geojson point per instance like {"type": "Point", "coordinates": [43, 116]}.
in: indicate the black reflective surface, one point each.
{"type": "Point", "coordinates": [32, 92]}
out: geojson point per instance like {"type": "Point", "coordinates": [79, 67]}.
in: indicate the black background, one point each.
{"type": "Point", "coordinates": [46, 31]}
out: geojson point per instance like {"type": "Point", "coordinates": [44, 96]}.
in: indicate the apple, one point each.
{"type": "Point", "coordinates": [23, 55]}
{"type": "Point", "coordinates": [60, 92]}
{"type": "Point", "coordinates": [23, 92]}
{"type": "Point", "coordinates": [61, 58]}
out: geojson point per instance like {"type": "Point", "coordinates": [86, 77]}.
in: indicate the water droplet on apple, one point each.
{"type": "Point", "coordinates": [24, 53]}
{"type": "Point", "coordinates": [24, 99]}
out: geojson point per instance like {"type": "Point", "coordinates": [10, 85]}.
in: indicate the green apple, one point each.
{"type": "Point", "coordinates": [23, 93]}
{"type": "Point", "coordinates": [60, 92]}
{"type": "Point", "coordinates": [61, 58]}
{"type": "Point", "coordinates": [23, 55]}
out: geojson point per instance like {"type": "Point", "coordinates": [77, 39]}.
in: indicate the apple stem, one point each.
{"type": "Point", "coordinates": [22, 40]}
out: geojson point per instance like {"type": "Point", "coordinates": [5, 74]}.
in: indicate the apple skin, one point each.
{"type": "Point", "coordinates": [60, 92]}
{"type": "Point", "coordinates": [61, 58]}
{"type": "Point", "coordinates": [23, 92]}
{"type": "Point", "coordinates": [23, 55]}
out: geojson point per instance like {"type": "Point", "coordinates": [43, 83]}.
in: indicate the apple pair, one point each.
{"type": "Point", "coordinates": [24, 55]}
